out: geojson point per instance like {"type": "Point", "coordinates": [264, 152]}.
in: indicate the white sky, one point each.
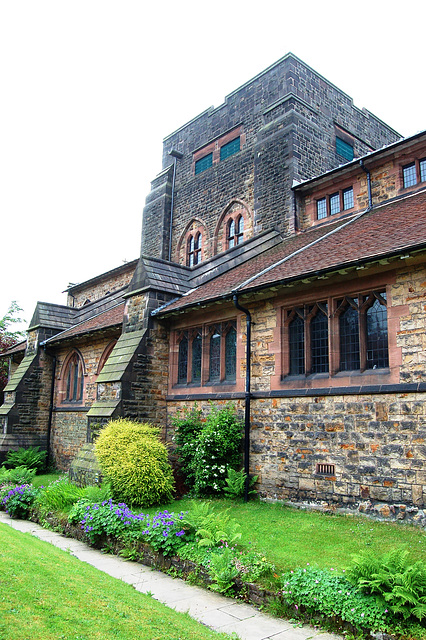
{"type": "Point", "coordinates": [89, 88]}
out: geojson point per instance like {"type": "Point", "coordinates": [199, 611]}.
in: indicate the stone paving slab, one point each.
{"type": "Point", "coordinates": [214, 610]}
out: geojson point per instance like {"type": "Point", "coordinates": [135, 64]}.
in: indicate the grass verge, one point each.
{"type": "Point", "coordinates": [293, 538]}
{"type": "Point", "coordinates": [47, 594]}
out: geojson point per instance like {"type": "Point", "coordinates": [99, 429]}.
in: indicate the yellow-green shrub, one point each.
{"type": "Point", "coordinates": [135, 462]}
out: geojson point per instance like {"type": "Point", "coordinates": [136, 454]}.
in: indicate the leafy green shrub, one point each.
{"type": "Point", "coordinates": [18, 501]}
{"type": "Point", "coordinates": [135, 462]}
{"type": "Point", "coordinates": [187, 426]}
{"type": "Point", "coordinates": [236, 483]}
{"type": "Point", "coordinates": [32, 458]}
{"type": "Point", "coordinates": [207, 450]}
{"type": "Point", "coordinates": [19, 475]}
{"type": "Point", "coordinates": [323, 591]}
{"type": "Point", "coordinates": [395, 578]}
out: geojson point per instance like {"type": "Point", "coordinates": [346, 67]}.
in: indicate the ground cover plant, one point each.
{"type": "Point", "coordinates": [44, 591]}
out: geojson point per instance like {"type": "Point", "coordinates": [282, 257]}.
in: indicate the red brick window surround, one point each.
{"type": "Point", "coordinates": [73, 378]}
{"type": "Point", "coordinates": [342, 334]}
{"type": "Point", "coordinates": [218, 150]}
{"type": "Point", "coordinates": [413, 173]}
{"type": "Point", "coordinates": [206, 355]}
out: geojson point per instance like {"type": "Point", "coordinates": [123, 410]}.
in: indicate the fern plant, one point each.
{"type": "Point", "coordinates": [212, 528]}
{"type": "Point", "coordinates": [236, 482]}
{"type": "Point", "coordinates": [395, 578]}
{"type": "Point", "coordinates": [32, 458]}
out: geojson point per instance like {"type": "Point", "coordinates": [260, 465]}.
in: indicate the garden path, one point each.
{"type": "Point", "coordinates": [216, 611]}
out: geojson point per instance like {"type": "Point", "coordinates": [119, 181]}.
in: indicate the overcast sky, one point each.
{"type": "Point", "coordinates": [89, 89]}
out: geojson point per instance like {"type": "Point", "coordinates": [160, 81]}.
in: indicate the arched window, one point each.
{"type": "Point", "coordinates": [74, 379]}
{"type": "Point", "coordinates": [193, 256]}
{"type": "Point", "coordinates": [183, 359]}
{"type": "Point", "coordinates": [296, 335]}
{"type": "Point", "coordinates": [235, 234]}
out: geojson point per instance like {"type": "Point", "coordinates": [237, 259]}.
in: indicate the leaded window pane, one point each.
{"type": "Point", "coordinates": [296, 330]}
{"type": "Point", "coordinates": [334, 203]}
{"type": "Point", "coordinates": [196, 358]}
{"type": "Point", "coordinates": [231, 354]}
{"type": "Point", "coordinates": [319, 343]}
{"type": "Point", "coordinates": [240, 225]}
{"type": "Point", "coordinates": [183, 361]}
{"type": "Point", "coordinates": [215, 356]}
{"type": "Point", "coordinates": [349, 340]}
{"type": "Point", "coordinates": [409, 175]}
{"type": "Point", "coordinates": [348, 199]}
{"type": "Point", "coordinates": [377, 336]}
{"type": "Point", "coordinates": [321, 209]}
{"type": "Point", "coordinates": [423, 170]}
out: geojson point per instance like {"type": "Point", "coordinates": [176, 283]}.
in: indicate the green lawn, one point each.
{"type": "Point", "coordinates": [292, 537]}
{"type": "Point", "coordinates": [47, 594]}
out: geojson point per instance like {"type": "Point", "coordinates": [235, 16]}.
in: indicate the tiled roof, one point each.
{"type": "Point", "coordinates": [16, 348]}
{"type": "Point", "coordinates": [385, 230]}
{"type": "Point", "coordinates": [103, 320]}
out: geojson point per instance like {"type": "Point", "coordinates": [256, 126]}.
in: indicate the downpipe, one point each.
{"type": "Point", "coordinates": [247, 398]}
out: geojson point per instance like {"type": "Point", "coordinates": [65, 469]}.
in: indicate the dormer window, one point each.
{"type": "Point", "coordinates": [413, 173]}
{"type": "Point", "coordinates": [335, 203]}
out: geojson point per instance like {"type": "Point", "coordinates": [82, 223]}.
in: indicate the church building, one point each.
{"type": "Point", "coordinates": [282, 268]}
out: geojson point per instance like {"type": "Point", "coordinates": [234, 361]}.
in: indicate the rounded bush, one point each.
{"type": "Point", "coordinates": [135, 462]}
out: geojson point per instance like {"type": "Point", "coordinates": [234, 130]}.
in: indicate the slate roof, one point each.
{"type": "Point", "coordinates": [120, 356]}
{"type": "Point", "coordinates": [53, 316]}
{"type": "Point", "coordinates": [385, 230]}
{"type": "Point", "coordinates": [109, 318]}
{"type": "Point", "coordinates": [19, 373]}
{"type": "Point", "coordinates": [17, 348]}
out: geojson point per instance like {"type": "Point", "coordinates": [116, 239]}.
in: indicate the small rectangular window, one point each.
{"type": "Point", "coordinates": [334, 203]}
{"type": "Point", "coordinates": [409, 175]}
{"type": "Point", "coordinates": [423, 170]}
{"type": "Point", "coordinates": [348, 199]}
{"type": "Point", "coordinates": [203, 163]}
{"type": "Point", "coordinates": [230, 148]}
{"type": "Point", "coordinates": [321, 209]}
{"type": "Point", "coordinates": [344, 149]}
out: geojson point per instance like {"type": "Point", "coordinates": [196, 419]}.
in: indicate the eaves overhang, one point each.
{"type": "Point", "coordinates": [303, 278]}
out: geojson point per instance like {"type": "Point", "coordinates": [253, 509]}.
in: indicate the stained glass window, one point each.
{"type": "Point", "coordinates": [231, 354]}
{"type": "Point", "coordinates": [196, 358]}
{"type": "Point", "coordinates": [349, 339]}
{"type": "Point", "coordinates": [214, 368]}
{"type": "Point", "coordinates": [183, 360]}
{"type": "Point", "coordinates": [296, 330]}
{"type": "Point", "coordinates": [74, 378]}
{"type": "Point", "coordinates": [319, 342]}
{"type": "Point", "coordinates": [377, 336]}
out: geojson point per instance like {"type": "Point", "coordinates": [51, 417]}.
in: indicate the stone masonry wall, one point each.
{"type": "Point", "coordinates": [69, 423]}
{"type": "Point", "coordinates": [375, 443]}
{"type": "Point", "coordinates": [287, 119]}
